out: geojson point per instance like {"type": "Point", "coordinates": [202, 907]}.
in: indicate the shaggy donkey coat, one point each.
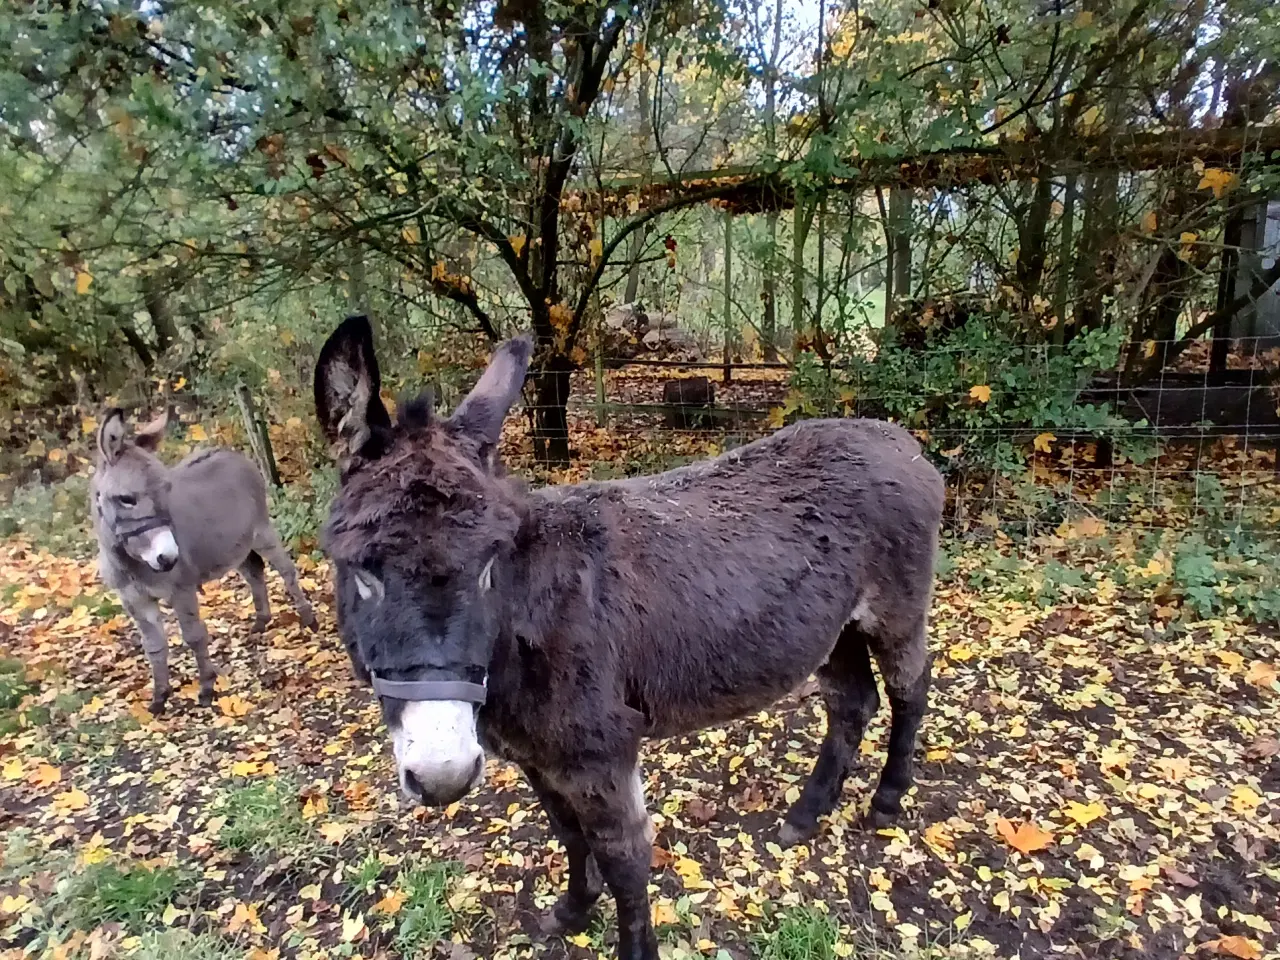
{"type": "Point", "coordinates": [163, 531]}
{"type": "Point", "coordinates": [604, 613]}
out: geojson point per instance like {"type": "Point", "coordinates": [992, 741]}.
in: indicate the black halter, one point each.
{"type": "Point", "coordinates": [423, 690]}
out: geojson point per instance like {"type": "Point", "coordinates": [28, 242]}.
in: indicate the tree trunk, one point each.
{"type": "Point", "coordinates": [1062, 291]}
{"type": "Point", "coordinates": [803, 219]}
{"type": "Point", "coordinates": [898, 243]}
{"type": "Point", "coordinates": [1033, 237]}
{"type": "Point", "coordinates": [156, 300]}
{"type": "Point", "coordinates": [728, 293]}
{"type": "Point", "coordinates": [551, 413]}
{"type": "Point", "coordinates": [638, 240]}
{"type": "Point", "coordinates": [769, 294]}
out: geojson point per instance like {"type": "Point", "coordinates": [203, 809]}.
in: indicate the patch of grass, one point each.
{"type": "Point", "coordinates": [425, 918]}
{"type": "Point", "coordinates": [131, 895]}
{"type": "Point", "coordinates": [800, 933]}
{"type": "Point", "coordinates": [53, 516]}
{"type": "Point", "coordinates": [183, 945]}
{"type": "Point", "coordinates": [262, 816]}
{"type": "Point", "coordinates": [362, 880]}
{"type": "Point", "coordinates": [14, 687]}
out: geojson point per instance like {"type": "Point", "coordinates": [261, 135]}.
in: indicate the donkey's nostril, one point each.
{"type": "Point", "coordinates": [414, 786]}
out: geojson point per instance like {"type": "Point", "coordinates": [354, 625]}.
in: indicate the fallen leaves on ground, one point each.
{"type": "Point", "coordinates": [1091, 780]}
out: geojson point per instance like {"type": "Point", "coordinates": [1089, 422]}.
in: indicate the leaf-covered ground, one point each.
{"type": "Point", "coordinates": [1092, 783]}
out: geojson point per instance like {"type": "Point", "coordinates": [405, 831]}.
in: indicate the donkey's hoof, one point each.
{"type": "Point", "coordinates": [567, 918]}
{"type": "Point", "coordinates": [789, 834]}
{"type": "Point", "coordinates": [157, 706]}
{"type": "Point", "coordinates": [309, 621]}
{"type": "Point", "coordinates": [877, 819]}
{"type": "Point", "coordinates": [205, 699]}
{"type": "Point", "coordinates": [259, 625]}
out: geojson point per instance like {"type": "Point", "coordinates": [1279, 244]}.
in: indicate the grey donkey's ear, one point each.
{"type": "Point", "coordinates": [482, 411]}
{"type": "Point", "coordinates": [149, 437]}
{"type": "Point", "coordinates": [111, 435]}
{"type": "Point", "coordinates": [347, 386]}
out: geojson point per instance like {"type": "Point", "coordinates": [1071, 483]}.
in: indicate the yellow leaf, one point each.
{"type": "Point", "coordinates": [196, 434]}
{"type": "Point", "coordinates": [411, 234]}
{"type": "Point", "coordinates": [1025, 838]}
{"type": "Point", "coordinates": [71, 800]}
{"type": "Point", "coordinates": [352, 927]}
{"type": "Point", "coordinates": [315, 807]}
{"type": "Point", "coordinates": [179, 383]}
{"type": "Point", "coordinates": [84, 280]}
{"type": "Point", "coordinates": [1084, 18]}
{"type": "Point", "coordinates": [597, 249]}
{"type": "Point", "coordinates": [171, 913]}
{"type": "Point", "coordinates": [439, 271]}
{"type": "Point", "coordinates": [234, 706]}
{"type": "Point", "coordinates": [517, 244]}
{"type": "Point", "coordinates": [1262, 675]}
{"type": "Point", "coordinates": [12, 905]}
{"type": "Point", "coordinates": [310, 892]}
{"type": "Point", "coordinates": [937, 835]}
{"type": "Point", "coordinates": [777, 418]}
{"type": "Point", "coordinates": [1044, 442]}
{"type": "Point", "coordinates": [334, 832]}
{"type": "Point", "coordinates": [1219, 181]}
{"type": "Point", "coordinates": [88, 425]}
{"type": "Point", "coordinates": [664, 912]}
{"type": "Point", "coordinates": [736, 762]}
{"type": "Point", "coordinates": [960, 653]}
{"type": "Point", "coordinates": [981, 393]}
{"type": "Point", "coordinates": [1244, 799]}
{"type": "Point", "coordinates": [391, 903]}
{"type": "Point", "coordinates": [57, 455]}
{"type": "Point", "coordinates": [245, 915]}
{"type": "Point", "coordinates": [244, 768]}
{"type": "Point", "coordinates": [1174, 769]}
{"type": "Point", "coordinates": [12, 769]}
{"type": "Point", "coordinates": [1085, 813]}
{"type": "Point", "coordinates": [1150, 222]}
{"type": "Point", "coordinates": [579, 940]}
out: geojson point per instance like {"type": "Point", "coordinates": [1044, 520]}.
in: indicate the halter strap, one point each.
{"type": "Point", "coordinates": [420, 690]}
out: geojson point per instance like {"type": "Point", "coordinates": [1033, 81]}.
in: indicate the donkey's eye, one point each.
{"type": "Point", "coordinates": [127, 500]}
{"type": "Point", "coordinates": [440, 580]}
{"type": "Point", "coordinates": [368, 586]}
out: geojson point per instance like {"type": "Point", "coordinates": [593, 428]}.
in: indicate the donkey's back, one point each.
{"type": "Point", "coordinates": [218, 501]}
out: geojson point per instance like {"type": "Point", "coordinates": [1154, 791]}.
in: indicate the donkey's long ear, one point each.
{"type": "Point", "coordinates": [482, 411]}
{"type": "Point", "coordinates": [149, 437]}
{"type": "Point", "coordinates": [111, 435]}
{"type": "Point", "coordinates": [347, 385]}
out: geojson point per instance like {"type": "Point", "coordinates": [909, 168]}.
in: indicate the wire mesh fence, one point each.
{"type": "Point", "coordinates": [1026, 446]}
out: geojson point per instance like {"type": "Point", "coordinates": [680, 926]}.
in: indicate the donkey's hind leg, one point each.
{"type": "Point", "coordinates": [186, 605]}
{"type": "Point", "coordinates": [254, 571]}
{"type": "Point", "coordinates": [849, 693]}
{"type": "Point", "coordinates": [275, 554]}
{"type": "Point", "coordinates": [572, 912]}
{"type": "Point", "coordinates": [904, 665]}
{"type": "Point", "coordinates": [146, 614]}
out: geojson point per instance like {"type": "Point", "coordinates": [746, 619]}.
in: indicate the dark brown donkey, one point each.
{"type": "Point", "coordinates": [560, 627]}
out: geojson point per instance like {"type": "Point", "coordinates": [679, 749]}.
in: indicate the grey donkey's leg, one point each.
{"type": "Point", "coordinates": [146, 614]}
{"type": "Point", "coordinates": [186, 605]}
{"type": "Point", "coordinates": [254, 572]}
{"type": "Point", "coordinates": [275, 554]}
{"type": "Point", "coordinates": [904, 664]}
{"type": "Point", "coordinates": [849, 693]}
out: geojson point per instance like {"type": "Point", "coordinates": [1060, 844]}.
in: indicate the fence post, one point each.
{"type": "Point", "coordinates": [259, 439]}
{"type": "Point", "coordinates": [601, 416]}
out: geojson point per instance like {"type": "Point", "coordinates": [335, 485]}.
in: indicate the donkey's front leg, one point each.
{"type": "Point", "coordinates": [572, 912]}
{"type": "Point", "coordinates": [610, 806]}
{"type": "Point", "coordinates": [146, 614]}
{"type": "Point", "coordinates": [186, 605]}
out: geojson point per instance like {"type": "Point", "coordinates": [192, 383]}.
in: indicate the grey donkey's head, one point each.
{"type": "Point", "coordinates": [131, 493]}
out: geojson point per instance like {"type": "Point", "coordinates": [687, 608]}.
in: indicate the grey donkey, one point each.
{"type": "Point", "coordinates": [164, 531]}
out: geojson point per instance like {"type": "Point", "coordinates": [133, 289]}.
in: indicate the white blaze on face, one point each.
{"type": "Point", "coordinates": [158, 549]}
{"type": "Point", "coordinates": [435, 741]}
